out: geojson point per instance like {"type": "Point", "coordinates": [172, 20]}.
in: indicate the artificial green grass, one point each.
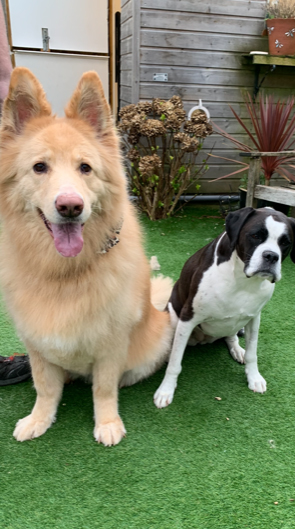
{"type": "Point", "coordinates": [200, 463]}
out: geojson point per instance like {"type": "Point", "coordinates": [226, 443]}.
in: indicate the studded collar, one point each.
{"type": "Point", "coordinates": [112, 240]}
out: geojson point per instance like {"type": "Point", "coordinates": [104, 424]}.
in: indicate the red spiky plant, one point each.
{"type": "Point", "coordinates": [274, 126]}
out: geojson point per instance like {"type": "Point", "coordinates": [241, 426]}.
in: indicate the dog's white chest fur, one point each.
{"type": "Point", "coordinates": [228, 299]}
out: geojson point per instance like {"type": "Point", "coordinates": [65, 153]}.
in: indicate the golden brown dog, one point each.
{"type": "Point", "coordinates": [80, 300]}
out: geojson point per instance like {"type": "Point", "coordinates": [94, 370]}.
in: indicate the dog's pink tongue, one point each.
{"type": "Point", "coordinates": [68, 238]}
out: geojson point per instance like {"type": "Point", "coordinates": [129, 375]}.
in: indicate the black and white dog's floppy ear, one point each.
{"type": "Point", "coordinates": [292, 253]}
{"type": "Point", "coordinates": [234, 223]}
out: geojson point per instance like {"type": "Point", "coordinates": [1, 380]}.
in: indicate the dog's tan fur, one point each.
{"type": "Point", "coordinates": [90, 314]}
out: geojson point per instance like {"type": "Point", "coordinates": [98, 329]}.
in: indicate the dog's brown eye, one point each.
{"type": "Point", "coordinates": [40, 167]}
{"type": "Point", "coordinates": [285, 241]}
{"type": "Point", "coordinates": [85, 168]}
{"type": "Point", "coordinates": [255, 236]}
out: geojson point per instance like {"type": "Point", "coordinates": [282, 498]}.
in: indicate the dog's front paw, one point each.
{"type": "Point", "coordinates": [238, 353]}
{"type": "Point", "coordinates": [164, 394]}
{"type": "Point", "coordinates": [29, 428]}
{"type": "Point", "coordinates": [110, 433]}
{"type": "Point", "coordinates": [256, 383]}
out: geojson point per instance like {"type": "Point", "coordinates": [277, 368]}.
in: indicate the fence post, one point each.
{"type": "Point", "coordinates": [253, 180]}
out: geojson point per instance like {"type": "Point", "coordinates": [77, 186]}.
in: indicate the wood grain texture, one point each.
{"type": "Point", "coordinates": [127, 37]}
{"type": "Point", "coordinates": [192, 93]}
{"type": "Point", "coordinates": [199, 76]}
{"type": "Point", "coordinates": [205, 59]}
{"type": "Point", "coordinates": [126, 28]}
{"type": "Point", "coordinates": [125, 95]}
{"type": "Point", "coordinates": [279, 61]}
{"type": "Point", "coordinates": [219, 143]}
{"type": "Point", "coordinates": [255, 9]}
{"type": "Point", "coordinates": [282, 195]}
{"type": "Point", "coordinates": [202, 41]}
{"type": "Point", "coordinates": [205, 23]}
{"type": "Point", "coordinates": [126, 46]}
{"type": "Point", "coordinates": [253, 180]}
{"type": "Point", "coordinates": [126, 63]}
{"type": "Point", "coordinates": [135, 51]}
{"type": "Point", "coordinates": [126, 11]}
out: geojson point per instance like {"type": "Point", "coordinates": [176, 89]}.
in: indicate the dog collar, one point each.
{"type": "Point", "coordinates": [112, 240]}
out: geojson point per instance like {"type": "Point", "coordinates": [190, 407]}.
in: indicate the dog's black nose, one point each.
{"type": "Point", "coordinates": [270, 257]}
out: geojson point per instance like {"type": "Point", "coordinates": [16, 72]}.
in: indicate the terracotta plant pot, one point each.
{"type": "Point", "coordinates": [281, 36]}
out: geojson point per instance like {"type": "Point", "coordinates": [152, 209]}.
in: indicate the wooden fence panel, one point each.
{"type": "Point", "coordinates": [244, 8]}
{"type": "Point", "coordinates": [205, 23]}
{"type": "Point", "coordinates": [126, 51]}
{"type": "Point", "coordinates": [204, 48]}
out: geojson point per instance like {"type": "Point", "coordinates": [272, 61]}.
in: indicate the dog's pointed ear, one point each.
{"type": "Point", "coordinates": [234, 223]}
{"type": "Point", "coordinates": [26, 100]}
{"type": "Point", "coordinates": [292, 253]}
{"type": "Point", "coordinates": [89, 104]}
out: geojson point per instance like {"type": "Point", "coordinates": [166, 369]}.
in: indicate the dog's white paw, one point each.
{"type": "Point", "coordinates": [256, 383]}
{"type": "Point", "coordinates": [29, 428]}
{"type": "Point", "coordinates": [110, 433]}
{"type": "Point", "coordinates": [237, 353]}
{"type": "Point", "coordinates": [164, 394]}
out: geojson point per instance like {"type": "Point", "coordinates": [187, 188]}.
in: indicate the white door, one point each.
{"type": "Point", "coordinates": [59, 73]}
{"type": "Point", "coordinates": [73, 25]}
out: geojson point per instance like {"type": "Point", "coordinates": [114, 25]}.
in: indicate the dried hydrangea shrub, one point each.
{"type": "Point", "coordinates": [161, 147]}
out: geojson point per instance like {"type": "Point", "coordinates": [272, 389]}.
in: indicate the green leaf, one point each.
{"type": "Point", "coordinates": [171, 157]}
{"type": "Point", "coordinates": [163, 117]}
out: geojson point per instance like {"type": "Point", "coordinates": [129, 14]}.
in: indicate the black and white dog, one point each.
{"type": "Point", "coordinates": [224, 286]}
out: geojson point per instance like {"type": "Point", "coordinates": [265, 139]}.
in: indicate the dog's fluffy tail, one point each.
{"type": "Point", "coordinates": [161, 288]}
